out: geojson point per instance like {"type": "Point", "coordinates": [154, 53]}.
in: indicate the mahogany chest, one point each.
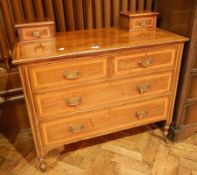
{"type": "Point", "coordinates": [88, 83]}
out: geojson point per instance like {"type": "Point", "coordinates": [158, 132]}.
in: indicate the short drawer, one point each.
{"type": "Point", "coordinates": [37, 30]}
{"type": "Point", "coordinates": [68, 72]}
{"type": "Point", "coordinates": [145, 61]}
{"type": "Point", "coordinates": [92, 124]}
{"type": "Point", "coordinates": [100, 95]}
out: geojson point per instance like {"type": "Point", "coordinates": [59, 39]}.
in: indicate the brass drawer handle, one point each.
{"type": "Point", "coordinates": [37, 34]}
{"type": "Point", "coordinates": [76, 129]}
{"type": "Point", "coordinates": [74, 101]}
{"type": "Point", "coordinates": [141, 114]}
{"type": "Point", "coordinates": [143, 23]}
{"type": "Point", "coordinates": [143, 88]}
{"type": "Point", "coordinates": [72, 75]}
{"type": "Point", "coordinates": [145, 63]}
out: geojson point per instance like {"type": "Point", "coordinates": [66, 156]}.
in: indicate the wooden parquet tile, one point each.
{"type": "Point", "coordinates": [139, 151]}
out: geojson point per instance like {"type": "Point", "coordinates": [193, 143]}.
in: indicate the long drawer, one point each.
{"type": "Point", "coordinates": [86, 98]}
{"type": "Point", "coordinates": [68, 72]}
{"type": "Point", "coordinates": [92, 124]}
{"type": "Point", "coordinates": [146, 61]}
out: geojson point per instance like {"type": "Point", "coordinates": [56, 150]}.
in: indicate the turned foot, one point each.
{"type": "Point", "coordinates": [42, 165]}
{"type": "Point", "coordinates": [165, 133]}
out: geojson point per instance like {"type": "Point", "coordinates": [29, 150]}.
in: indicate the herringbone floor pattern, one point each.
{"type": "Point", "coordinates": [139, 151]}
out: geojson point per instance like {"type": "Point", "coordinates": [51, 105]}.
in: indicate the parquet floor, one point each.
{"type": "Point", "coordinates": [137, 151]}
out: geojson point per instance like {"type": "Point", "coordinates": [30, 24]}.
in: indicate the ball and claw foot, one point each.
{"type": "Point", "coordinates": [42, 165]}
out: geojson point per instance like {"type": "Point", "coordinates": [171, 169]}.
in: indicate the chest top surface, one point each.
{"type": "Point", "coordinates": [83, 42]}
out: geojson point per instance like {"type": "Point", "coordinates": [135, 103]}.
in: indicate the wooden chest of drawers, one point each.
{"type": "Point", "coordinates": [89, 83]}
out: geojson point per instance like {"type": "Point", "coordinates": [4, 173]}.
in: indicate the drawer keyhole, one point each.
{"type": "Point", "coordinates": [37, 34]}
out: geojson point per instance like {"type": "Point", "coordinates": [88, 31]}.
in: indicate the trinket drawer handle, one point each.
{"type": "Point", "coordinates": [141, 114]}
{"type": "Point", "coordinates": [37, 34]}
{"type": "Point", "coordinates": [72, 75]}
{"type": "Point", "coordinates": [145, 63]}
{"type": "Point", "coordinates": [143, 23]}
{"type": "Point", "coordinates": [75, 101]}
{"type": "Point", "coordinates": [76, 129]}
{"type": "Point", "coordinates": [143, 88]}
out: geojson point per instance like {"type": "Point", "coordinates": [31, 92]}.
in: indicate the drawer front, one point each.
{"type": "Point", "coordinates": [147, 61]}
{"type": "Point", "coordinates": [68, 72]}
{"type": "Point", "coordinates": [146, 22]}
{"type": "Point", "coordinates": [101, 95]}
{"type": "Point", "coordinates": [132, 114]}
{"type": "Point", "coordinates": [101, 122]}
{"type": "Point", "coordinates": [33, 33]}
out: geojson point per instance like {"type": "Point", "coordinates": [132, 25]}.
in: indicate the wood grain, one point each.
{"type": "Point", "coordinates": [79, 14]}
{"type": "Point", "coordinates": [28, 10]}
{"type": "Point", "coordinates": [91, 125]}
{"type": "Point", "coordinates": [49, 9]}
{"type": "Point", "coordinates": [149, 4]}
{"type": "Point", "coordinates": [124, 5]}
{"type": "Point", "coordinates": [88, 14]}
{"type": "Point", "coordinates": [138, 20]}
{"type": "Point", "coordinates": [119, 152]}
{"type": "Point", "coordinates": [4, 45]}
{"type": "Point", "coordinates": [129, 63]}
{"type": "Point", "coordinates": [83, 42]}
{"type": "Point", "coordinates": [98, 13]}
{"type": "Point", "coordinates": [115, 11]}
{"type": "Point", "coordinates": [184, 108]}
{"type": "Point", "coordinates": [39, 10]}
{"type": "Point", "coordinates": [107, 13]}
{"type": "Point", "coordinates": [61, 23]}
{"type": "Point", "coordinates": [70, 18]}
{"type": "Point", "coordinates": [101, 95]}
{"type": "Point", "coordinates": [24, 11]}
{"type": "Point", "coordinates": [141, 4]}
{"type": "Point", "coordinates": [89, 68]}
{"type": "Point", "coordinates": [132, 5]}
{"type": "Point", "coordinates": [108, 97]}
{"type": "Point", "coordinates": [8, 21]}
{"type": "Point", "coordinates": [192, 91]}
{"type": "Point", "coordinates": [17, 10]}
{"type": "Point", "coordinates": [36, 31]}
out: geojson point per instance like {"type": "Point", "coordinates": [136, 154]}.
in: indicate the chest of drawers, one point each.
{"type": "Point", "coordinates": [84, 84]}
